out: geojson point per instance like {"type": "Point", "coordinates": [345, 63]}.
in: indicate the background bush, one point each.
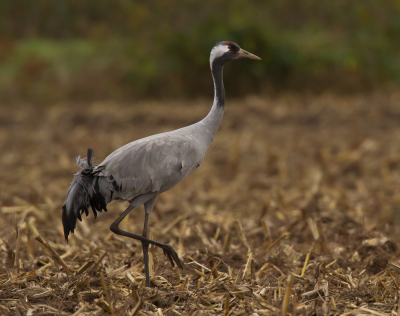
{"type": "Point", "coordinates": [52, 50]}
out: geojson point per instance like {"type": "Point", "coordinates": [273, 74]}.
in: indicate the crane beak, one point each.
{"type": "Point", "coordinates": [245, 54]}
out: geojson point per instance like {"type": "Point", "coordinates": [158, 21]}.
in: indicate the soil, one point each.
{"type": "Point", "coordinates": [296, 194]}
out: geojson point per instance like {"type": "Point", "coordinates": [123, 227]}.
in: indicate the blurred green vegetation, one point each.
{"type": "Point", "coordinates": [52, 50]}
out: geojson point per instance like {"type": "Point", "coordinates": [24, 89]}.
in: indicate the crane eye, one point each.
{"type": "Point", "coordinates": [229, 47]}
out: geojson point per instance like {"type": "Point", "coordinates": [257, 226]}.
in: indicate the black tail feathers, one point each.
{"type": "Point", "coordinates": [84, 192]}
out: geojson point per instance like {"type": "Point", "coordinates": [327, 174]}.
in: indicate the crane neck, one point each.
{"type": "Point", "coordinates": [219, 91]}
{"type": "Point", "coordinates": [212, 121]}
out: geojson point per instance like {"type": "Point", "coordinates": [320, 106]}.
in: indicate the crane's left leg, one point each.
{"type": "Point", "coordinates": [136, 202]}
{"type": "Point", "coordinates": [148, 206]}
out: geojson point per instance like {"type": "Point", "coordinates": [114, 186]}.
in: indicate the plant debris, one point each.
{"type": "Point", "coordinates": [293, 211]}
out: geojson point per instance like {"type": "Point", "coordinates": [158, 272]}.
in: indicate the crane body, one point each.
{"type": "Point", "coordinates": [141, 170]}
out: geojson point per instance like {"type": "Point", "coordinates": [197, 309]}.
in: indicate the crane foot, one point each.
{"type": "Point", "coordinates": [172, 256]}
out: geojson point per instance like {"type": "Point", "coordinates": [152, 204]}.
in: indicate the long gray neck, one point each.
{"type": "Point", "coordinates": [212, 121]}
{"type": "Point", "coordinates": [219, 91]}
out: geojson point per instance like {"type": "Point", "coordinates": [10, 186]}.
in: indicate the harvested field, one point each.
{"type": "Point", "coordinates": [294, 210]}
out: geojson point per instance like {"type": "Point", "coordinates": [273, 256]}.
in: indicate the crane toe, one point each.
{"type": "Point", "coordinates": [172, 256]}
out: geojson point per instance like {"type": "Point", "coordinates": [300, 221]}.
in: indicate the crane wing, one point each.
{"type": "Point", "coordinates": [152, 164]}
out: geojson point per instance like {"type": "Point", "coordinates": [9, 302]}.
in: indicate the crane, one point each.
{"type": "Point", "coordinates": [141, 170]}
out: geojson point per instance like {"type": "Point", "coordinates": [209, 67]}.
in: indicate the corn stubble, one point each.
{"type": "Point", "coordinates": [293, 212]}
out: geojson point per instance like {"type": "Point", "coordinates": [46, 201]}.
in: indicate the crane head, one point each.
{"type": "Point", "coordinates": [224, 51]}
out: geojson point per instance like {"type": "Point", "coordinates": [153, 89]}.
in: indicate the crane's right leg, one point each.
{"type": "Point", "coordinates": [148, 206]}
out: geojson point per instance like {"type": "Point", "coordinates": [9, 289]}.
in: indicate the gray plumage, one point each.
{"type": "Point", "coordinates": [139, 171]}
{"type": "Point", "coordinates": [152, 164]}
{"type": "Point", "coordinates": [156, 163]}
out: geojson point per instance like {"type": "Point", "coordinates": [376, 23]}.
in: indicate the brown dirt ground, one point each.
{"type": "Point", "coordinates": [284, 178]}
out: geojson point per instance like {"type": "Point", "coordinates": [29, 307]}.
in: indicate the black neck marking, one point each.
{"type": "Point", "coordinates": [216, 70]}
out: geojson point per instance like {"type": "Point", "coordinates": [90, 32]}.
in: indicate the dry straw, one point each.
{"type": "Point", "coordinates": [290, 213]}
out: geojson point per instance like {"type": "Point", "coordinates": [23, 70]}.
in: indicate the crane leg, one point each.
{"type": "Point", "coordinates": [148, 206]}
{"type": "Point", "coordinates": [168, 250]}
